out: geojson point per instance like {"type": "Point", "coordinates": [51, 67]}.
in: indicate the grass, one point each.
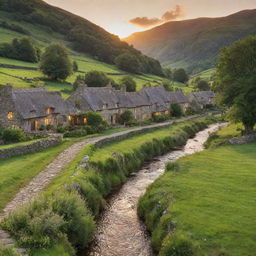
{"type": "Point", "coordinates": [212, 205]}
{"type": "Point", "coordinates": [16, 172]}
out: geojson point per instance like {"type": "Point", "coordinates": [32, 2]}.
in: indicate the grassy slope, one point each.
{"type": "Point", "coordinates": [213, 204]}
{"type": "Point", "coordinates": [43, 38]}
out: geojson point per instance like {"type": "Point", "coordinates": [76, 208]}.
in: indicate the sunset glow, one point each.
{"type": "Point", "coordinates": [128, 16]}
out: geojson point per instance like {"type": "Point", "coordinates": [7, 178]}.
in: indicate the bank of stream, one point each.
{"type": "Point", "coordinates": [120, 231]}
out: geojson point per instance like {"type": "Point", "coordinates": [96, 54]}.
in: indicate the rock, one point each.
{"type": "Point", "coordinates": [84, 162]}
{"type": "Point", "coordinates": [243, 139]}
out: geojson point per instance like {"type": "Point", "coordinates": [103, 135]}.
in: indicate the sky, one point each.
{"type": "Point", "coordinates": [124, 17]}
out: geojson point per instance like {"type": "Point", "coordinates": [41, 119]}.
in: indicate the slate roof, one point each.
{"type": "Point", "coordinates": [203, 96]}
{"type": "Point", "coordinates": [32, 103]}
{"type": "Point", "coordinates": [93, 98]}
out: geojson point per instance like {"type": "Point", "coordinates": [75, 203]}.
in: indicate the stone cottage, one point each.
{"type": "Point", "coordinates": [32, 108]}
{"type": "Point", "coordinates": [198, 100]}
{"type": "Point", "coordinates": [110, 103]}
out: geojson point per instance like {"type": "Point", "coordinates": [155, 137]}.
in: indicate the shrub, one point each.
{"type": "Point", "coordinates": [14, 135]}
{"type": "Point", "coordinates": [93, 119]}
{"type": "Point", "coordinates": [96, 79]}
{"type": "Point", "coordinates": [180, 75]}
{"type": "Point", "coordinates": [79, 225]}
{"type": "Point", "coordinates": [7, 252]}
{"type": "Point", "coordinates": [160, 118]}
{"type": "Point", "coordinates": [172, 166]}
{"type": "Point", "coordinates": [177, 245]}
{"type": "Point", "coordinates": [126, 117]}
{"type": "Point", "coordinates": [75, 133]}
{"type": "Point", "coordinates": [176, 110]}
{"type": "Point", "coordinates": [129, 83]}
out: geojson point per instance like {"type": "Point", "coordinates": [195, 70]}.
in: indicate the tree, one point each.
{"type": "Point", "coordinates": [180, 75]}
{"type": "Point", "coordinates": [96, 79]}
{"type": "Point", "coordinates": [93, 119]}
{"type": "Point", "coordinates": [168, 73]}
{"type": "Point", "coordinates": [167, 85]}
{"type": "Point", "coordinates": [55, 62]}
{"type": "Point", "coordinates": [176, 110]}
{"type": "Point", "coordinates": [75, 66]}
{"type": "Point", "coordinates": [20, 49]}
{"type": "Point", "coordinates": [129, 83]}
{"type": "Point", "coordinates": [125, 117]}
{"type": "Point", "coordinates": [236, 82]}
{"type": "Point", "coordinates": [128, 62]}
{"type": "Point", "coordinates": [202, 85]}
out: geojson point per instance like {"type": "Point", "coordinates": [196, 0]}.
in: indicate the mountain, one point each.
{"type": "Point", "coordinates": [81, 34]}
{"type": "Point", "coordinates": [194, 44]}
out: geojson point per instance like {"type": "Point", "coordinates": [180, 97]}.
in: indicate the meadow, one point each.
{"type": "Point", "coordinates": [205, 207]}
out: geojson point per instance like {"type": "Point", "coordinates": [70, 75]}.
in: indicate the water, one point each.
{"type": "Point", "coordinates": [120, 231]}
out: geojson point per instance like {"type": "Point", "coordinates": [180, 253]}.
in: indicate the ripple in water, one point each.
{"type": "Point", "coordinates": [120, 232]}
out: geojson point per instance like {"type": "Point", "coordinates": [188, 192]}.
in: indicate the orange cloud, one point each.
{"type": "Point", "coordinates": [145, 22]}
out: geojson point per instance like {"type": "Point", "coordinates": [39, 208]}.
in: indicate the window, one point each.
{"type": "Point", "coordinates": [105, 106]}
{"type": "Point", "coordinates": [10, 116]}
{"type": "Point", "coordinates": [69, 118]}
{"type": "Point", "coordinates": [85, 120]}
{"type": "Point", "coordinates": [47, 121]}
{"type": "Point", "coordinates": [49, 111]}
{"type": "Point", "coordinates": [117, 105]}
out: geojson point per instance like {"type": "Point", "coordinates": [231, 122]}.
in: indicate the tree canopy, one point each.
{"type": "Point", "coordinates": [20, 49]}
{"type": "Point", "coordinates": [55, 62]}
{"type": "Point", "coordinates": [128, 62]}
{"type": "Point", "coordinates": [129, 83]}
{"type": "Point", "coordinates": [180, 75]}
{"type": "Point", "coordinates": [96, 79]}
{"type": "Point", "coordinates": [236, 81]}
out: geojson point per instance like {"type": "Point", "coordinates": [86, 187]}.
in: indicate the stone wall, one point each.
{"type": "Point", "coordinates": [29, 148]}
{"type": "Point", "coordinates": [243, 140]}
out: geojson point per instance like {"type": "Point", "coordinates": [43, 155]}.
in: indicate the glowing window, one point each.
{"type": "Point", "coordinates": [47, 121]}
{"type": "Point", "coordinates": [49, 111]}
{"type": "Point", "coordinates": [10, 116]}
{"type": "Point", "coordinates": [69, 118]}
{"type": "Point", "coordinates": [85, 120]}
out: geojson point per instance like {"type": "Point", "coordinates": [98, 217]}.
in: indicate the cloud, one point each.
{"type": "Point", "coordinates": [145, 22]}
{"type": "Point", "coordinates": [174, 14]}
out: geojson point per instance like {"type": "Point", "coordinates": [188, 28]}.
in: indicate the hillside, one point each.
{"type": "Point", "coordinates": [194, 44]}
{"type": "Point", "coordinates": [45, 22]}
{"type": "Point", "coordinates": [20, 22]}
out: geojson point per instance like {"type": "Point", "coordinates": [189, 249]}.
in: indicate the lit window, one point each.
{"type": "Point", "coordinates": [85, 120]}
{"type": "Point", "coordinates": [47, 121]}
{"type": "Point", "coordinates": [49, 111]}
{"type": "Point", "coordinates": [10, 116]}
{"type": "Point", "coordinates": [69, 118]}
{"type": "Point", "coordinates": [166, 112]}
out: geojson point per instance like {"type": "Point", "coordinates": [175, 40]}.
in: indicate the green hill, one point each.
{"type": "Point", "coordinates": [45, 24]}
{"type": "Point", "coordinates": [194, 44]}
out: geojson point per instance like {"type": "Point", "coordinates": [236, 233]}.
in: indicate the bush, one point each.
{"type": "Point", "coordinates": [96, 79]}
{"type": "Point", "coordinates": [177, 245]}
{"type": "Point", "coordinates": [93, 119]}
{"type": "Point", "coordinates": [160, 118]}
{"type": "Point", "coordinates": [7, 252]}
{"type": "Point", "coordinates": [129, 83]}
{"type": "Point", "coordinates": [75, 133]}
{"type": "Point", "coordinates": [48, 221]}
{"type": "Point", "coordinates": [126, 117]}
{"type": "Point", "coordinates": [176, 110]}
{"type": "Point", "coordinates": [14, 135]}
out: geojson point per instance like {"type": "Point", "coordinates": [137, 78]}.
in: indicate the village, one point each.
{"type": "Point", "coordinates": [29, 109]}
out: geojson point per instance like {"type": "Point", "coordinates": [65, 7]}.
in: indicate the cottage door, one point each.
{"type": "Point", "coordinates": [34, 125]}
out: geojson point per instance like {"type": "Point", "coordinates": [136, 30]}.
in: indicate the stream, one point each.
{"type": "Point", "coordinates": [120, 232]}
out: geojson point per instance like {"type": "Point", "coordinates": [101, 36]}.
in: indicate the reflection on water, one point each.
{"type": "Point", "coordinates": [120, 232]}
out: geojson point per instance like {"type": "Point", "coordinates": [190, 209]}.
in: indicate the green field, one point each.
{"type": "Point", "coordinates": [211, 206]}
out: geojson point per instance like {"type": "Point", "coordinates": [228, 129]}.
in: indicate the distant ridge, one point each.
{"type": "Point", "coordinates": [194, 44]}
